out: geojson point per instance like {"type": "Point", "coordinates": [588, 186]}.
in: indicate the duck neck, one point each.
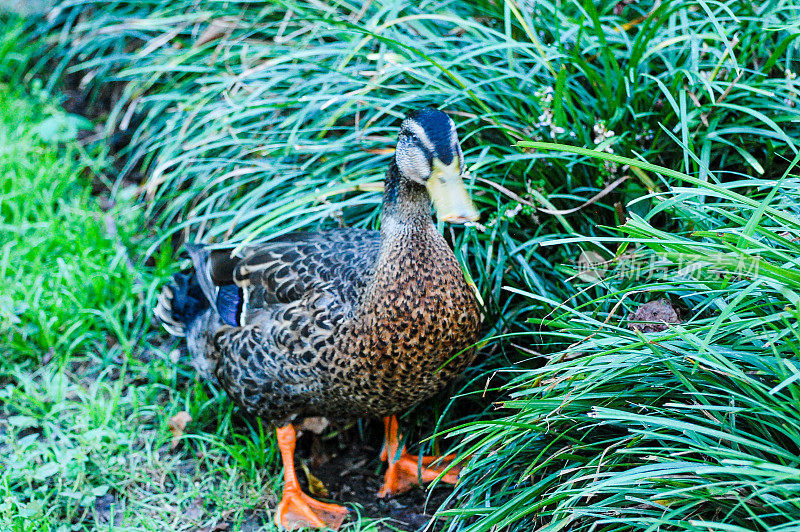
{"type": "Point", "coordinates": [406, 205]}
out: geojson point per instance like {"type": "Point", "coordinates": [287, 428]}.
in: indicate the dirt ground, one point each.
{"type": "Point", "coordinates": [351, 471]}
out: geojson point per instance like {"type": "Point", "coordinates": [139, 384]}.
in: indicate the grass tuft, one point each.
{"type": "Point", "coordinates": [693, 426]}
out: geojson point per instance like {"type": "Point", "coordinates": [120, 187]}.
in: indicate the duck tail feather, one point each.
{"type": "Point", "coordinates": [180, 303]}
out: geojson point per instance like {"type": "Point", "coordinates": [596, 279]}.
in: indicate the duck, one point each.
{"type": "Point", "coordinates": [345, 323]}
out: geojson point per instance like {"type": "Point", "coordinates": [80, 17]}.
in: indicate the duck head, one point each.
{"type": "Point", "coordinates": [429, 156]}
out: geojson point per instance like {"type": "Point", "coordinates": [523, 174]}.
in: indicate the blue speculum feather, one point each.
{"type": "Point", "coordinates": [229, 304]}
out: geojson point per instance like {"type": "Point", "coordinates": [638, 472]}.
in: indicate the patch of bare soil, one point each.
{"type": "Point", "coordinates": [352, 472]}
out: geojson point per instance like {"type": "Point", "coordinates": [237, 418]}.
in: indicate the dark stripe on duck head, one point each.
{"type": "Point", "coordinates": [438, 129]}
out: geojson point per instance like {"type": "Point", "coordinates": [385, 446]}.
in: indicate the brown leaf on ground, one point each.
{"type": "Point", "coordinates": [177, 424]}
{"type": "Point", "coordinates": [315, 425]}
{"type": "Point", "coordinates": [216, 28]}
{"type": "Point", "coordinates": [653, 316]}
{"type": "Point", "coordinates": [315, 485]}
{"type": "Point", "coordinates": [318, 456]}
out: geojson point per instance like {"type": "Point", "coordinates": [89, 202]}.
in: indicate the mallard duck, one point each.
{"type": "Point", "coordinates": [345, 323]}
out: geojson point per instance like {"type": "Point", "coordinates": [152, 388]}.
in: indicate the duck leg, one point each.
{"type": "Point", "coordinates": [296, 509]}
{"type": "Point", "coordinates": [404, 471]}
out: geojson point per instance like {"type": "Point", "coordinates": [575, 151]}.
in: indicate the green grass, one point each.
{"type": "Point", "coordinates": [66, 267]}
{"type": "Point", "coordinates": [693, 428]}
{"type": "Point", "coordinates": [86, 386]}
{"type": "Point", "coordinates": [675, 121]}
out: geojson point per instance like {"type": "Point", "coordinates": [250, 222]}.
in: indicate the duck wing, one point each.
{"type": "Point", "coordinates": [276, 306]}
{"type": "Point", "coordinates": [286, 270]}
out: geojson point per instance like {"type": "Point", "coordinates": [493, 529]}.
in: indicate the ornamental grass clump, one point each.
{"type": "Point", "coordinates": [646, 419]}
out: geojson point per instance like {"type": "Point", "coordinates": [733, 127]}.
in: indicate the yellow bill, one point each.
{"type": "Point", "coordinates": [450, 197]}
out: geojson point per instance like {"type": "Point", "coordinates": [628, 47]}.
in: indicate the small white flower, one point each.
{"type": "Point", "coordinates": [602, 134]}
{"type": "Point", "coordinates": [546, 118]}
{"type": "Point", "coordinates": [611, 168]}
{"type": "Point", "coordinates": [480, 227]}
{"type": "Point", "coordinates": [511, 213]}
{"type": "Point", "coordinates": [545, 94]}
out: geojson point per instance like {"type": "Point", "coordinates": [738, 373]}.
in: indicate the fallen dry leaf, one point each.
{"type": "Point", "coordinates": [177, 424]}
{"type": "Point", "coordinates": [318, 454]}
{"type": "Point", "coordinates": [654, 316]}
{"type": "Point", "coordinates": [315, 485]}
{"type": "Point", "coordinates": [195, 510]}
{"type": "Point", "coordinates": [219, 527]}
{"type": "Point", "coordinates": [217, 28]}
{"type": "Point", "coordinates": [48, 356]}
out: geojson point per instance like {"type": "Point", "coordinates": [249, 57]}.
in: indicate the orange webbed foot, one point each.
{"type": "Point", "coordinates": [406, 473]}
{"type": "Point", "coordinates": [298, 510]}
{"type": "Point", "coordinates": [407, 470]}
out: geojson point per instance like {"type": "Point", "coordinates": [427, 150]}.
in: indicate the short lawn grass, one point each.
{"type": "Point", "coordinates": [86, 390]}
